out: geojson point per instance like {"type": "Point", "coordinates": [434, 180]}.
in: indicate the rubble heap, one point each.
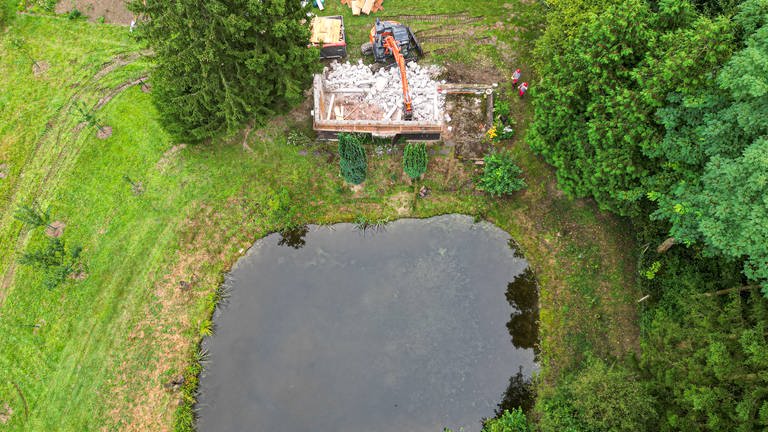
{"type": "Point", "coordinates": [383, 90]}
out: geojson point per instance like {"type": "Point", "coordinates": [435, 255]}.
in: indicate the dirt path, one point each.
{"type": "Point", "coordinates": [113, 11]}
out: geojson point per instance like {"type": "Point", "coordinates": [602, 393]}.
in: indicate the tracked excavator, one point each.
{"type": "Point", "coordinates": [394, 43]}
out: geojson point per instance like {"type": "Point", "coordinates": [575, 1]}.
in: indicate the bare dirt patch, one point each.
{"type": "Point", "coordinates": [39, 68]}
{"type": "Point", "coordinates": [303, 113]}
{"type": "Point", "coordinates": [80, 126]}
{"type": "Point", "coordinates": [104, 133]}
{"type": "Point", "coordinates": [55, 229]}
{"type": "Point", "coordinates": [271, 131]}
{"type": "Point", "coordinates": [5, 413]}
{"type": "Point", "coordinates": [401, 202]}
{"type": "Point", "coordinates": [481, 72]}
{"type": "Point", "coordinates": [468, 124]}
{"type": "Point", "coordinates": [78, 275]}
{"type": "Point", "coordinates": [3, 171]}
{"type": "Point", "coordinates": [117, 62]}
{"type": "Point", "coordinates": [169, 156]}
{"type": "Point", "coordinates": [358, 190]}
{"type": "Point", "coordinates": [113, 11]}
{"type": "Point", "coordinates": [450, 172]}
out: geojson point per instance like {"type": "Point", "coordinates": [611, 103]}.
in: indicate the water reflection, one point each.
{"type": "Point", "coordinates": [294, 237]}
{"type": "Point", "coordinates": [401, 331]}
{"type": "Point", "coordinates": [523, 295]}
{"type": "Point", "coordinates": [519, 394]}
{"type": "Point", "coordinates": [523, 326]}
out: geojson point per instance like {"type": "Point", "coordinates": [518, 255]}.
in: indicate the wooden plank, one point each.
{"type": "Point", "coordinates": [330, 106]}
{"type": "Point", "coordinates": [367, 7]}
{"type": "Point", "coordinates": [325, 30]}
{"type": "Point", "coordinates": [388, 115]}
{"type": "Point", "coordinates": [357, 6]}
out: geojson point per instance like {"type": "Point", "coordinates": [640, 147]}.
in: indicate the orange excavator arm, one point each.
{"type": "Point", "coordinates": [391, 44]}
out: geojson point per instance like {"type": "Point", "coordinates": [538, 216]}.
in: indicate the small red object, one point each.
{"type": "Point", "coordinates": [522, 88]}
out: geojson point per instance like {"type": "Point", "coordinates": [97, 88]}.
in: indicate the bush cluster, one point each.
{"type": "Point", "coordinates": [501, 176]}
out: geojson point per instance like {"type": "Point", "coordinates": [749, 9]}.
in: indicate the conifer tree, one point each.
{"type": "Point", "coordinates": [223, 62]}
{"type": "Point", "coordinates": [352, 158]}
{"type": "Point", "coordinates": [415, 160]}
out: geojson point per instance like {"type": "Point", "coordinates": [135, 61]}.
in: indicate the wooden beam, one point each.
{"type": "Point", "coordinates": [367, 6]}
{"type": "Point", "coordinates": [330, 107]}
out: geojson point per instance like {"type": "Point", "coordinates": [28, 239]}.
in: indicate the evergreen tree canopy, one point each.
{"type": "Point", "coordinates": [220, 63]}
{"type": "Point", "coordinates": [352, 160]}
{"type": "Point", "coordinates": [415, 160]}
{"type": "Point", "coordinates": [709, 362]}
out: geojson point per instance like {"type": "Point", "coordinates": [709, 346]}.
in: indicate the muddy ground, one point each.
{"type": "Point", "coordinates": [468, 124]}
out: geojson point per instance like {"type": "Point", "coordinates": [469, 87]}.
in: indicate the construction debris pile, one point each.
{"type": "Point", "coordinates": [365, 6]}
{"type": "Point", "coordinates": [358, 91]}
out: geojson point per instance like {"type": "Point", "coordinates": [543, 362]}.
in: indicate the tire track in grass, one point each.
{"type": "Point", "coordinates": [58, 123]}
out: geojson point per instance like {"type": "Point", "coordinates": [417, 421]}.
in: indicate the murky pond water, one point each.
{"type": "Point", "coordinates": [423, 325]}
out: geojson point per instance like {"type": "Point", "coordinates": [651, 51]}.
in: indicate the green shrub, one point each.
{"type": "Point", "coordinates": [612, 399]}
{"type": "Point", "coordinates": [501, 108]}
{"type": "Point", "coordinates": [33, 216]}
{"type": "Point", "coordinates": [6, 13]}
{"type": "Point", "coordinates": [352, 158]}
{"type": "Point", "coordinates": [501, 176]}
{"type": "Point", "coordinates": [74, 14]}
{"type": "Point", "coordinates": [599, 397]}
{"type": "Point", "coordinates": [298, 139]}
{"type": "Point", "coordinates": [279, 206]}
{"type": "Point", "coordinates": [558, 413]}
{"type": "Point", "coordinates": [514, 421]}
{"type": "Point", "coordinates": [415, 160]}
{"type": "Point", "coordinates": [54, 260]}
{"type": "Point", "coordinates": [37, 6]}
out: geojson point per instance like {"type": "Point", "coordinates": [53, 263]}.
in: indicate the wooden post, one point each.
{"type": "Point", "coordinates": [330, 107]}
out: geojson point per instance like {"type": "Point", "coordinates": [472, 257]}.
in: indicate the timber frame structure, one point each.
{"type": "Point", "coordinates": [328, 129]}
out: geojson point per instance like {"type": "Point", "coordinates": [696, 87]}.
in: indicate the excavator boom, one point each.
{"type": "Point", "coordinates": [391, 44]}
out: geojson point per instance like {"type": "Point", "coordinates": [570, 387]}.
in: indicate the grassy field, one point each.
{"type": "Point", "coordinates": [161, 221]}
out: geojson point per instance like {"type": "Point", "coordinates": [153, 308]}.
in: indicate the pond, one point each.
{"type": "Point", "coordinates": [417, 326]}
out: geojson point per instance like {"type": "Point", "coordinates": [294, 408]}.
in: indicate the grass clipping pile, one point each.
{"type": "Point", "coordinates": [368, 95]}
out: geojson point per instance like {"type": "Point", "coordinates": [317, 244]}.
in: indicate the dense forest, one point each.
{"type": "Point", "coordinates": [657, 110]}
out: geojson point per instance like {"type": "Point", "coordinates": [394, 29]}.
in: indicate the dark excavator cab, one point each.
{"type": "Point", "coordinates": [403, 35]}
